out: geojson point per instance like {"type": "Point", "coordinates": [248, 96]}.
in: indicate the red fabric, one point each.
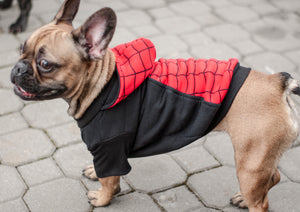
{"type": "Point", "coordinates": [135, 62]}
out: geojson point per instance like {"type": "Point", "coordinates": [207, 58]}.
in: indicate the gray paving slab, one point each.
{"type": "Point", "coordinates": [290, 5]}
{"type": "Point", "coordinates": [40, 171]}
{"type": "Point", "coordinates": [5, 78]}
{"type": "Point", "coordinates": [177, 25]}
{"type": "Point", "coordinates": [95, 185]}
{"type": "Point", "coordinates": [168, 46]}
{"type": "Point", "coordinates": [246, 47]}
{"type": "Point", "coordinates": [289, 164]}
{"type": "Point", "coordinates": [73, 159]}
{"type": "Point", "coordinates": [8, 58]}
{"type": "Point", "coordinates": [132, 18]}
{"type": "Point", "coordinates": [8, 42]}
{"type": "Point", "coordinates": [162, 12]}
{"type": "Point", "coordinates": [208, 19]}
{"type": "Point", "coordinates": [145, 4]}
{"type": "Point", "coordinates": [146, 31]}
{"type": "Point", "coordinates": [203, 210]}
{"type": "Point", "coordinates": [190, 7]}
{"type": "Point", "coordinates": [46, 114]}
{"type": "Point", "coordinates": [220, 146]}
{"type": "Point", "coordinates": [11, 183]}
{"type": "Point", "coordinates": [229, 33]}
{"type": "Point", "coordinates": [274, 32]}
{"type": "Point", "coordinates": [60, 196]}
{"type": "Point", "coordinates": [216, 186]}
{"type": "Point", "coordinates": [234, 209]}
{"type": "Point", "coordinates": [285, 197]}
{"type": "Point", "coordinates": [294, 56]}
{"type": "Point", "coordinates": [197, 38]}
{"type": "Point", "coordinates": [237, 14]}
{"type": "Point", "coordinates": [65, 134]}
{"type": "Point", "coordinates": [216, 50]}
{"type": "Point", "coordinates": [195, 159]}
{"type": "Point", "coordinates": [132, 202]}
{"type": "Point", "coordinates": [270, 62]}
{"type": "Point", "coordinates": [218, 3]}
{"type": "Point", "coordinates": [24, 146]}
{"type": "Point", "coordinates": [12, 122]}
{"type": "Point", "coordinates": [178, 199]}
{"type": "Point", "coordinates": [11, 102]}
{"type": "Point", "coordinates": [117, 5]}
{"type": "Point", "coordinates": [122, 35]}
{"type": "Point", "coordinates": [156, 173]}
{"type": "Point", "coordinates": [14, 205]}
{"type": "Point", "coordinates": [264, 8]}
{"type": "Point", "coordinates": [41, 6]}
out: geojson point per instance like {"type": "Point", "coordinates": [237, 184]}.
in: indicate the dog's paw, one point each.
{"type": "Point", "coordinates": [99, 198]}
{"type": "Point", "coordinates": [90, 173]}
{"type": "Point", "coordinates": [238, 201]}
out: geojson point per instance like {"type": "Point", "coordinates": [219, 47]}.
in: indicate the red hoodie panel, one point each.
{"type": "Point", "coordinates": [209, 79]}
{"type": "Point", "coordinates": [135, 61]}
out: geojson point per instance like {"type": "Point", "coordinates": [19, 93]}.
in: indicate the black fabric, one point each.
{"type": "Point", "coordinates": [239, 76]}
{"type": "Point", "coordinates": [154, 119]}
{"type": "Point", "coordinates": [107, 97]}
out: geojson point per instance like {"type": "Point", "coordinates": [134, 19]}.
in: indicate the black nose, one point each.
{"type": "Point", "coordinates": [20, 68]}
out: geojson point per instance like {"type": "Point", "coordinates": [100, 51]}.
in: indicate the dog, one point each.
{"type": "Point", "coordinates": [128, 105]}
{"type": "Point", "coordinates": [21, 23]}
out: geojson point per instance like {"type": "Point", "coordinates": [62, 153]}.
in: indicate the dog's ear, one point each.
{"type": "Point", "coordinates": [96, 33]}
{"type": "Point", "coordinates": [67, 12]}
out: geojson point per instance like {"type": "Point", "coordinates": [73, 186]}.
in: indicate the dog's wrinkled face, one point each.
{"type": "Point", "coordinates": [54, 58]}
{"type": "Point", "coordinates": [47, 59]}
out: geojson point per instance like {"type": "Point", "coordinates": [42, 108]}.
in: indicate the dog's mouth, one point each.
{"type": "Point", "coordinates": [22, 93]}
{"type": "Point", "coordinates": [44, 94]}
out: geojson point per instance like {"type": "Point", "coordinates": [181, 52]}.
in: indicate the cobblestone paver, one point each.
{"type": "Point", "coordinates": [41, 152]}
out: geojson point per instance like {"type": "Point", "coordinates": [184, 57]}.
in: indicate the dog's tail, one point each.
{"type": "Point", "coordinates": [289, 84]}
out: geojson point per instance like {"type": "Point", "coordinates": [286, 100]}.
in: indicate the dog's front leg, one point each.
{"type": "Point", "coordinates": [102, 197]}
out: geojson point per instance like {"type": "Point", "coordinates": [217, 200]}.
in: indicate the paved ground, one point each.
{"type": "Point", "coordinates": [42, 155]}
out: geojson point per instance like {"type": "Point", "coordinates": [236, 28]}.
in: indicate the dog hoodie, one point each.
{"type": "Point", "coordinates": [152, 107]}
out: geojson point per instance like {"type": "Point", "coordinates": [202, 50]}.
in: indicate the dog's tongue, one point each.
{"type": "Point", "coordinates": [25, 93]}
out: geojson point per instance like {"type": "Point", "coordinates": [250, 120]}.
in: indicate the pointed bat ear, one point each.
{"type": "Point", "coordinates": [96, 33]}
{"type": "Point", "coordinates": [67, 12]}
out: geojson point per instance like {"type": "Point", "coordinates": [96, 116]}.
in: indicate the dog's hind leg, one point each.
{"type": "Point", "coordinates": [255, 178]}
{"type": "Point", "coordinates": [261, 123]}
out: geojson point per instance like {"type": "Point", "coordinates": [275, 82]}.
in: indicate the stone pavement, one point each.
{"type": "Point", "coordinates": [42, 155]}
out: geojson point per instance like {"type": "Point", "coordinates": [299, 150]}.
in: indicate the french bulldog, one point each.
{"type": "Point", "coordinates": [21, 23]}
{"type": "Point", "coordinates": [129, 105]}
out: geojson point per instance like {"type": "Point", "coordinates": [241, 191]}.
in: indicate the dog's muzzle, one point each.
{"type": "Point", "coordinates": [20, 69]}
{"type": "Point", "coordinates": [28, 88]}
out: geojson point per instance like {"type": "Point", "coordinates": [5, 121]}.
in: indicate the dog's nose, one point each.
{"type": "Point", "coordinates": [20, 68]}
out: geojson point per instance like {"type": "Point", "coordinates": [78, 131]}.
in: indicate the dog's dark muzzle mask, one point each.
{"type": "Point", "coordinates": [28, 88]}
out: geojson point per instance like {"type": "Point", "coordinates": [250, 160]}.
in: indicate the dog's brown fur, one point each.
{"type": "Point", "coordinates": [261, 122]}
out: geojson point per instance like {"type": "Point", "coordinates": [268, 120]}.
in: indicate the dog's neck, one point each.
{"type": "Point", "coordinates": [96, 77]}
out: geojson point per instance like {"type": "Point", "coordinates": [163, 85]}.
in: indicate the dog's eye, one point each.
{"type": "Point", "coordinates": [44, 64]}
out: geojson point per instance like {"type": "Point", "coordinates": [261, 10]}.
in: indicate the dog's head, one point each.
{"type": "Point", "coordinates": [56, 56]}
